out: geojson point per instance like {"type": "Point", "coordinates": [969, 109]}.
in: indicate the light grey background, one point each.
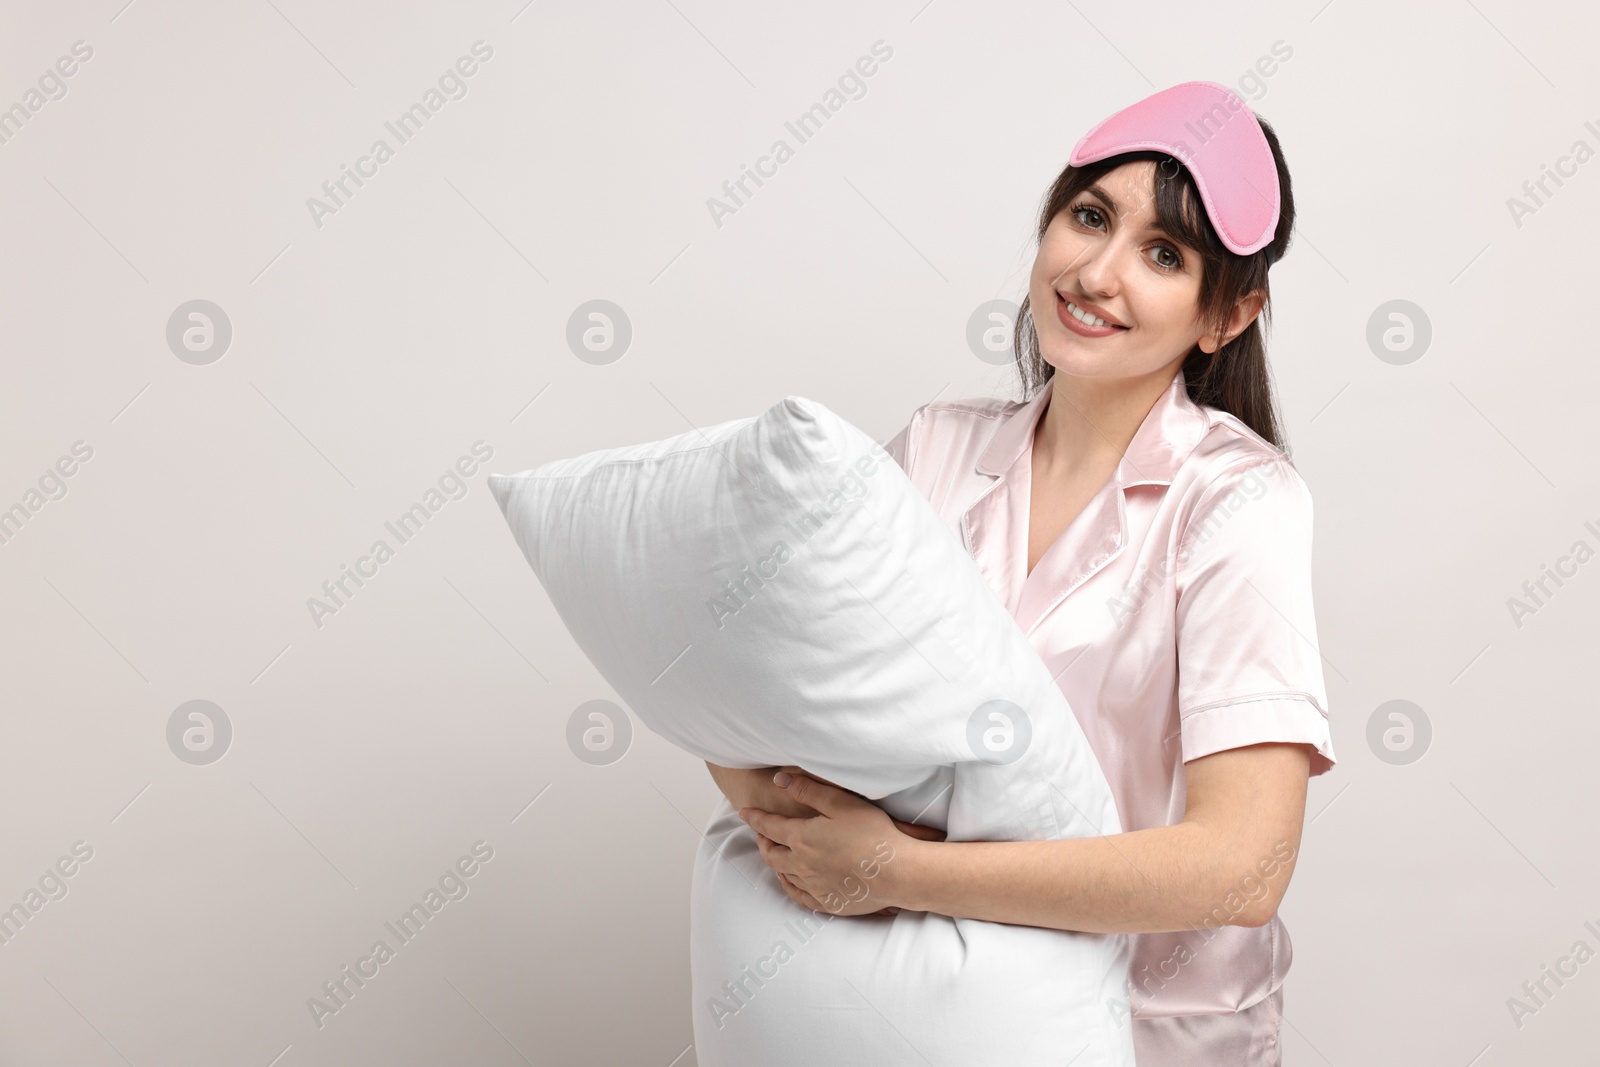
{"type": "Point", "coordinates": [430, 312]}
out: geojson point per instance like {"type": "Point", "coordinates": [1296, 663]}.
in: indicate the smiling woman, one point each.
{"type": "Point", "coordinates": [1146, 459]}
{"type": "Point", "coordinates": [1182, 254]}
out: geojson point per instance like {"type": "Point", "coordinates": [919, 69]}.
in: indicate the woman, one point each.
{"type": "Point", "coordinates": [1141, 522]}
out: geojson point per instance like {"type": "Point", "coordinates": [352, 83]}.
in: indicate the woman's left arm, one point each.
{"type": "Point", "coordinates": [1227, 862]}
{"type": "Point", "coordinates": [1249, 699]}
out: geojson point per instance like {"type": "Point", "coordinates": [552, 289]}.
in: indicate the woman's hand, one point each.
{"type": "Point", "coordinates": [753, 788]}
{"type": "Point", "coordinates": [840, 860]}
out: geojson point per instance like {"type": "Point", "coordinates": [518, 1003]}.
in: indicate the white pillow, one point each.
{"type": "Point", "coordinates": [773, 590]}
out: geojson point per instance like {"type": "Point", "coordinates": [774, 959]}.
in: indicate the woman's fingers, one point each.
{"type": "Point", "coordinates": [771, 798]}
{"type": "Point", "coordinates": [753, 788]}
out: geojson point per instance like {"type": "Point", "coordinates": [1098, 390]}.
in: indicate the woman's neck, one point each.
{"type": "Point", "coordinates": [1088, 423]}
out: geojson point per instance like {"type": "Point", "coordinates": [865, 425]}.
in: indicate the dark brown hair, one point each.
{"type": "Point", "coordinates": [1235, 378]}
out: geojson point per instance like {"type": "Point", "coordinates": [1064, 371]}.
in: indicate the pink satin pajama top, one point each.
{"type": "Point", "coordinates": [1176, 614]}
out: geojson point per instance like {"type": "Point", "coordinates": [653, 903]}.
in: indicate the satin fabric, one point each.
{"type": "Point", "coordinates": [1253, 1037]}
{"type": "Point", "coordinates": [1176, 614]}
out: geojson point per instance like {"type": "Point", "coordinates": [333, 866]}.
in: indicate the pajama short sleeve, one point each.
{"type": "Point", "coordinates": [1249, 667]}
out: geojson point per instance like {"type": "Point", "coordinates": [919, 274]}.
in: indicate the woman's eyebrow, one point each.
{"type": "Point", "coordinates": [1103, 195]}
{"type": "Point", "coordinates": [1152, 227]}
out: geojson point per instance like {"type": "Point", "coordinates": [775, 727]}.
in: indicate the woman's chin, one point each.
{"type": "Point", "coordinates": [1069, 358]}
{"type": "Point", "coordinates": [1082, 358]}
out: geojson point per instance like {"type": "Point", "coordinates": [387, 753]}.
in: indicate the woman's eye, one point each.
{"type": "Point", "coordinates": [1167, 257]}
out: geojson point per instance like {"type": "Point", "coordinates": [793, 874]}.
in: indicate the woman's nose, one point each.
{"type": "Point", "coordinates": [1100, 270]}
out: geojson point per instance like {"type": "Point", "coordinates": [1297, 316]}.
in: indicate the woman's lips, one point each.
{"type": "Point", "coordinates": [1083, 329]}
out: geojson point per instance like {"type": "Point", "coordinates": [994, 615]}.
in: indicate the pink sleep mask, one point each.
{"type": "Point", "coordinates": [1207, 128]}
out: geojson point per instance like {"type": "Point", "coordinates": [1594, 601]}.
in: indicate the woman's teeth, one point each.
{"type": "Point", "coordinates": [1083, 316]}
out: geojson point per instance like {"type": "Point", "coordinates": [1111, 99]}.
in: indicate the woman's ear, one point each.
{"type": "Point", "coordinates": [1245, 310]}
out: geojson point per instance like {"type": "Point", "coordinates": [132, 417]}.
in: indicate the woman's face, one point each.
{"type": "Point", "coordinates": [1101, 255]}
